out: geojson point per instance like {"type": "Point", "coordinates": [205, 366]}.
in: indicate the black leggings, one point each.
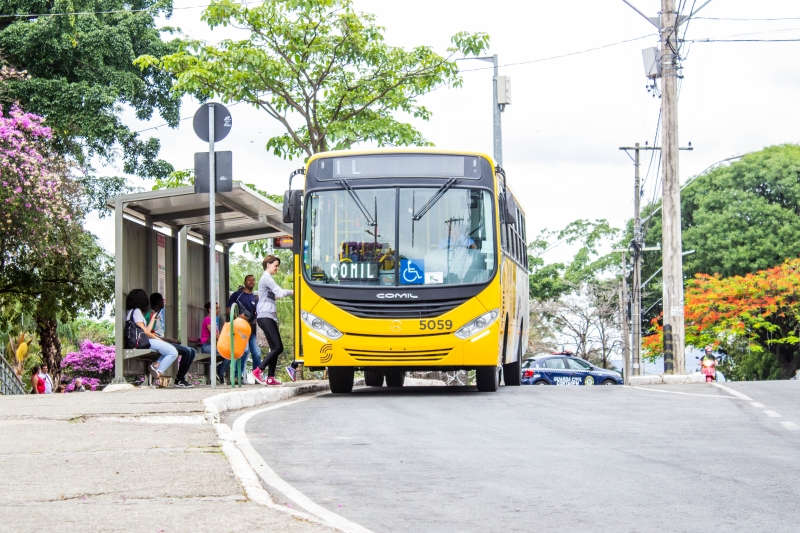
{"type": "Point", "coordinates": [270, 329]}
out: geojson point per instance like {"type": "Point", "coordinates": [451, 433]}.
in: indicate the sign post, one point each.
{"type": "Point", "coordinates": [206, 130]}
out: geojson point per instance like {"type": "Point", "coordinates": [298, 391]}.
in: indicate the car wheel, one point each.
{"type": "Point", "coordinates": [395, 378]}
{"type": "Point", "coordinates": [512, 374]}
{"type": "Point", "coordinates": [541, 382]}
{"type": "Point", "coordinates": [373, 378]}
{"type": "Point", "coordinates": [487, 378]}
{"type": "Point", "coordinates": [341, 379]}
{"type": "Point", "coordinates": [609, 382]}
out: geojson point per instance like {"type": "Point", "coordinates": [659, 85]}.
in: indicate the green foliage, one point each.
{"type": "Point", "coordinates": [84, 327]}
{"type": "Point", "coordinates": [550, 281]}
{"type": "Point", "coordinates": [739, 218]}
{"type": "Point", "coordinates": [319, 68]}
{"type": "Point", "coordinates": [175, 179]}
{"type": "Point", "coordinates": [80, 74]}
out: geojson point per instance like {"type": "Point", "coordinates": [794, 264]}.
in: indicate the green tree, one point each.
{"type": "Point", "coordinates": [550, 281]}
{"type": "Point", "coordinates": [739, 218]}
{"type": "Point", "coordinates": [319, 68]}
{"type": "Point", "coordinates": [81, 74]}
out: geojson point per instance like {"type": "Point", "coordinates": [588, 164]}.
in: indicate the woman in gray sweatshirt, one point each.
{"type": "Point", "coordinates": [267, 311]}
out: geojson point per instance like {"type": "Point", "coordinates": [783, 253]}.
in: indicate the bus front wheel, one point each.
{"type": "Point", "coordinates": [487, 378]}
{"type": "Point", "coordinates": [341, 379]}
{"type": "Point", "coordinates": [395, 378]}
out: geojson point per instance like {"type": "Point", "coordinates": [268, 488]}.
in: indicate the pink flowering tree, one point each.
{"type": "Point", "coordinates": [48, 262]}
{"type": "Point", "coordinates": [93, 363]}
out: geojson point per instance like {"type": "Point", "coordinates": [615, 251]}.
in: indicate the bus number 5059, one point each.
{"type": "Point", "coordinates": [435, 324]}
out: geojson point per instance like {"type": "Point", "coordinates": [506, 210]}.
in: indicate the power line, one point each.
{"type": "Point", "coordinates": [564, 55]}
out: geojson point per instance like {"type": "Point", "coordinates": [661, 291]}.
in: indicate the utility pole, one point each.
{"type": "Point", "coordinates": [623, 320]}
{"type": "Point", "coordinates": [667, 24]}
{"type": "Point", "coordinates": [672, 260]}
{"type": "Point", "coordinates": [638, 249]}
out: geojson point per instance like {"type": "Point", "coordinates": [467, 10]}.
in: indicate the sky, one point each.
{"type": "Point", "coordinates": [569, 115]}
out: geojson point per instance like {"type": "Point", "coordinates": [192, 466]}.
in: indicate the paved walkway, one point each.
{"type": "Point", "coordinates": [141, 461]}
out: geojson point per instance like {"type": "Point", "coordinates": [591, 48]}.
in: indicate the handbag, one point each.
{"type": "Point", "coordinates": [135, 337]}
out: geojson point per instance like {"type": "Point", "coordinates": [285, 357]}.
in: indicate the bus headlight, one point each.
{"type": "Point", "coordinates": [320, 326]}
{"type": "Point", "coordinates": [477, 324]}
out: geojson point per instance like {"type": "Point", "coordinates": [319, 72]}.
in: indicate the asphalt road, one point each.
{"type": "Point", "coordinates": [545, 458]}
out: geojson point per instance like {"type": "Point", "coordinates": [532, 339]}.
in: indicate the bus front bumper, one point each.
{"type": "Point", "coordinates": [424, 351]}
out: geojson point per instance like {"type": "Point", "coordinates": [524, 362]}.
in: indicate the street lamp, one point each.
{"type": "Point", "coordinates": [501, 96]}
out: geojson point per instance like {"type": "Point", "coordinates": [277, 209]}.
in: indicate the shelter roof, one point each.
{"type": "Point", "coordinates": [241, 215]}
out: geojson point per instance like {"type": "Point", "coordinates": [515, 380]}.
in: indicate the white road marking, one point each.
{"type": "Point", "coordinates": [683, 393]}
{"type": "Point", "coordinates": [756, 404]}
{"type": "Point", "coordinates": [735, 393]}
{"type": "Point", "coordinates": [273, 480]}
{"type": "Point", "coordinates": [772, 414]}
{"type": "Point", "coordinates": [791, 426]}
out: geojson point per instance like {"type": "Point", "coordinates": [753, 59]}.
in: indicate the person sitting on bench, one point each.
{"type": "Point", "coordinates": [187, 354]}
{"type": "Point", "coordinates": [137, 303]}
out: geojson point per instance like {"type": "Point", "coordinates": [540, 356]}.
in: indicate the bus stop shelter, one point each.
{"type": "Point", "coordinates": [161, 241]}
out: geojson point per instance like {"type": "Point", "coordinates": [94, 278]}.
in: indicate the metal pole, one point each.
{"type": "Point", "coordinates": [623, 322]}
{"type": "Point", "coordinates": [119, 300]}
{"type": "Point", "coordinates": [636, 297]}
{"type": "Point", "coordinates": [497, 126]}
{"type": "Point", "coordinates": [212, 244]}
{"type": "Point", "coordinates": [671, 196]}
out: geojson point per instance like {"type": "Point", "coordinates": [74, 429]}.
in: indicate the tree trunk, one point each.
{"type": "Point", "coordinates": [46, 328]}
{"type": "Point", "coordinates": [789, 359]}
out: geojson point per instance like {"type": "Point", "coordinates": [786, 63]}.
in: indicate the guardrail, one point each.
{"type": "Point", "coordinates": [9, 381]}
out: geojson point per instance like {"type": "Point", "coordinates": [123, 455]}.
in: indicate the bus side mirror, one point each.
{"type": "Point", "coordinates": [291, 203]}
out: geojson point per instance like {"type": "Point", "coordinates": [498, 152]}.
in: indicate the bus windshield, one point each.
{"type": "Point", "coordinates": [400, 236]}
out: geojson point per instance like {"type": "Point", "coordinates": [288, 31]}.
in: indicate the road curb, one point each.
{"type": "Point", "coordinates": [666, 379]}
{"type": "Point", "coordinates": [235, 400]}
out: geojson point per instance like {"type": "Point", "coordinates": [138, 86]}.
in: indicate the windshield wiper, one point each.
{"type": "Point", "coordinates": [435, 198]}
{"type": "Point", "coordinates": [357, 200]}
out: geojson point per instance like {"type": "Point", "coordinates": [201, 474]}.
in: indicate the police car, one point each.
{"type": "Point", "coordinates": [562, 368]}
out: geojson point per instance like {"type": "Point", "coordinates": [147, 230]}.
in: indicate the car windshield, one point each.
{"type": "Point", "coordinates": [446, 236]}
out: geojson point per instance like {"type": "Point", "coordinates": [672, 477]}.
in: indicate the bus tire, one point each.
{"type": "Point", "coordinates": [341, 379]}
{"type": "Point", "coordinates": [395, 378]}
{"type": "Point", "coordinates": [373, 378]}
{"type": "Point", "coordinates": [512, 374]}
{"type": "Point", "coordinates": [487, 378]}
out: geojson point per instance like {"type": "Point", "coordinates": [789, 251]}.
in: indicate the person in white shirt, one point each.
{"type": "Point", "coordinates": [48, 381]}
{"type": "Point", "coordinates": [267, 311]}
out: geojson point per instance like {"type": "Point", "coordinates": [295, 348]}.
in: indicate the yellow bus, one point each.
{"type": "Point", "coordinates": [408, 260]}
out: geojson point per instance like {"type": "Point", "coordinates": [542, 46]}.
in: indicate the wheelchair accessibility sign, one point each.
{"type": "Point", "coordinates": [412, 271]}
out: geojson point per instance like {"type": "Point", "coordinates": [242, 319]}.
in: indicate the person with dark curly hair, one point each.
{"type": "Point", "coordinates": [186, 353]}
{"type": "Point", "coordinates": [137, 303]}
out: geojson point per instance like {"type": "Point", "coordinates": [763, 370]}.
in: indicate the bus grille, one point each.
{"type": "Point", "coordinates": [405, 356]}
{"type": "Point", "coordinates": [397, 309]}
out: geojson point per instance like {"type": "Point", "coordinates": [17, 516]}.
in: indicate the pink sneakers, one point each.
{"type": "Point", "coordinates": [273, 381]}
{"type": "Point", "coordinates": [258, 377]}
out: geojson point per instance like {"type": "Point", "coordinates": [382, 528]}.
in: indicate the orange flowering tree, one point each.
{"type": "Point", "coordinates": [753, 318]}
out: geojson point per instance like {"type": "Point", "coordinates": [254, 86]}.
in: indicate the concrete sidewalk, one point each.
{"type": "Point", "coordinates": [131, 461]}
